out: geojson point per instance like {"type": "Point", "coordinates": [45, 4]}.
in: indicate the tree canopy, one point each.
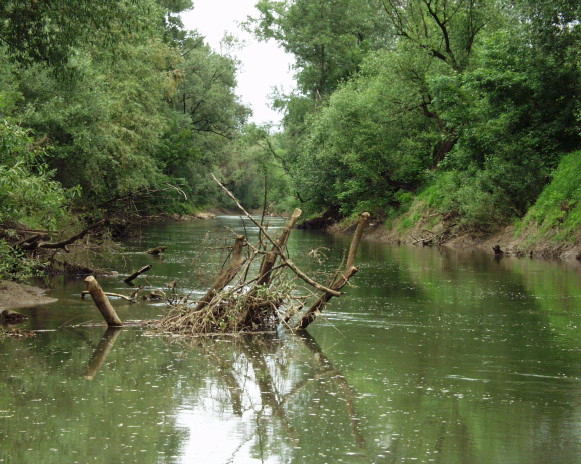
{"type": "Point", "coordinates": [478, 99]}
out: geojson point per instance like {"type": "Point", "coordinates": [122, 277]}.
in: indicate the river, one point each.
{"type": "Point", "coordinates": [431, 356]}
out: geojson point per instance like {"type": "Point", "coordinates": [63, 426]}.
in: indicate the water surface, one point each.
{"type": "Point", "coordinates": [431, 356]}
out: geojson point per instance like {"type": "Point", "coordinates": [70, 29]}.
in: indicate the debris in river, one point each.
{"type": "Point", "coordinates": [237, 303]}
{"type": "Point", "coordinates": [13, 317]}
{"type": "Point", "coordinates": [157, 250]}
{"type": "Point", "coordinates": [84, 293]}
{"type": "Point", "coordinates": [136, 274]}
{"type": "Point", "coordinates": [102, 302]}
{"type": "Point", "coordinates": [17, 333]}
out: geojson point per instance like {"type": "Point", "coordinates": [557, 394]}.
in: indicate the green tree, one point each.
{"type": "Point", "coordinates": [49, 31]}
{"type": "Point", "coordinates": [328, 39]}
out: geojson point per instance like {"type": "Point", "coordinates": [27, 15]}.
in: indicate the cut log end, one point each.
{"type": "Point", "coordinates": [102, 302]}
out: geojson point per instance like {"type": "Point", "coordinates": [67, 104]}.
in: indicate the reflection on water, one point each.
{"type": "Point", "coordinates": [430, 357]}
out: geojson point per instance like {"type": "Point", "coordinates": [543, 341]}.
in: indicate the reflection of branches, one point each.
{"type": "Point", "coordinates": [269, 395]}
{"type": "Point", "coordinates": [225, 369]}
{"type": "Point", "coordinates": [338, 376]}
{"type": "Point", "coordinates": [261, 364]}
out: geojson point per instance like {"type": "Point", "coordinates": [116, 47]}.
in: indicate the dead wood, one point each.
{"type": "Point", "coordinates": [136, 292]}
{"type": "Point", "coordinates": [286, 260]}
{"type": "Point", "coordinates": [225, 277]}
{"type": "Point", "coordinates": [136, 274]}
{"type": "Point", "coordinates": [265, 302]}
{"type": "Point", "coordinates": [350, 270]}
{"type": "Point", "coordinates": [36, 243]}
{"type": "Point", "coordinates": [115, 295]}
{"type": "Point", "coordinates": [157, 250]}
{"type": "Point", "coordinates": [155, 295]}
{"type": "Point", "coordinates": [269, 259]}
{"type": "Point", "coordinates": [102, 302]}
{"type": "Point", "coordinates": [13, 317]}
{"type": "Point", "coordinates": [31, 241]}
{"type": "Point", "coordinates": [429, 241]}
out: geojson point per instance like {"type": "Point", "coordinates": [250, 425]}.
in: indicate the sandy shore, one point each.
{"type": "Point", "coordinates": [15, 295]}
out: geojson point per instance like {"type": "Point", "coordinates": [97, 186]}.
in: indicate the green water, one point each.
{"type": "Point", "coordinates": [431, 356]}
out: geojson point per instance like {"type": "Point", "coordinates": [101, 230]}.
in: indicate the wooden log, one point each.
{"type": "Point", "coordinates": [318, 306]}
{"type": "Point", "coordinates": [350, 270]}
{"type": "Point", "coordinates": [101, 352]}
{"type": "Point", "coordinates": [136, 274]}
{"type": "Point", "coordinates": [157, 250]}
{"type": "Point", "coordinates": [115, 295]}
{"type": "Point", "coordinates": [63, 243]}
{"type": "Point", "coordinates": [270, 258]}
{"type": "Point", "coordinates": [226, 276]}
{"type": "Point", "coordinates": [102, 302]}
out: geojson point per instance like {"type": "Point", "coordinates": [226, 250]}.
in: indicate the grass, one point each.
{"type": "Point", "coordinates": [556, 215]}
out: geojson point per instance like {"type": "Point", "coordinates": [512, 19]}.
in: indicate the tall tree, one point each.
{"type": "Point", "coordinates": [328, 39]}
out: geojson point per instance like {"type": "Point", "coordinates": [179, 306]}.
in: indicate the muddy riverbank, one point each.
{"type": "Point", "coordinates": [17, 295]}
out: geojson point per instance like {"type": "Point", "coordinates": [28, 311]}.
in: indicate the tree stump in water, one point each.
{"type": "Point", "coordinates": [156, 251]}
{"type": "Point", "coordinates": [102, 302]}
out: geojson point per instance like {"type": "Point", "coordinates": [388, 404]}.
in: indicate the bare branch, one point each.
{"type": "Point", "coordinates": [287, 261]}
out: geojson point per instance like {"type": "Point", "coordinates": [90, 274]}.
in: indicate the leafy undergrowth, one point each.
{"type": "Point", "coordinates": [555, 218]}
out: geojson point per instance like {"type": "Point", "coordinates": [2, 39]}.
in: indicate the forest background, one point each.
{"type": "Point", "coordinates": [455, 116]}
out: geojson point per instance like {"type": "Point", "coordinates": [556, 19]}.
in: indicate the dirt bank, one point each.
{"type": "Point", "coordinates": [505, 238]}
{"type": "Point", "coordinates": [15, 295]}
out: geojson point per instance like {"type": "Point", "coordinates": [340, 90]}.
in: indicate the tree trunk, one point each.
{"type": "Point", "coordinates": [226, 276]}
{"type": "Point", "coordinates": [102, 302]}
{"type": "Point", "coordinates": [341, 281]}
{"type": "Point", "coordinates": [270, 258]}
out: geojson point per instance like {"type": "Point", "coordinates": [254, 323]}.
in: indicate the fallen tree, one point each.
{"type": "Point", "coordinates": [37, 240]}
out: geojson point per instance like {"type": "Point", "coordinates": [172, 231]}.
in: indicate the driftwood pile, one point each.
{"type": "Point", "coordinates": [237, 302]}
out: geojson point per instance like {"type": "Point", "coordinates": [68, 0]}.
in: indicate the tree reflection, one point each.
{"type": "Point", "coordinates": [284, 390]}
{"type": "Point", "coordinates": [101, 352]}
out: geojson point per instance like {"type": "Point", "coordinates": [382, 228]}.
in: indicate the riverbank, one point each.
{"type": "Point", "coordinates": [16, 295]}
{"type": "Point", "coordinates": [510, 242]}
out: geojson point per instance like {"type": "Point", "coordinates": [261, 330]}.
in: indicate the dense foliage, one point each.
{"type": "Point", "coordinates": [113, 102]}
{"type": "Point", "coordinates": [475, 101]}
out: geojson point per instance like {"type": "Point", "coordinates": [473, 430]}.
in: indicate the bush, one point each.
{"type": "Point", "coordinates": [14, 265]}
{"type": "Point", "coordinates": [28, 194]}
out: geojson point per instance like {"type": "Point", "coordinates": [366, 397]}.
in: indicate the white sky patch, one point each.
{"type": "Point", "coordinates": [264, 66]}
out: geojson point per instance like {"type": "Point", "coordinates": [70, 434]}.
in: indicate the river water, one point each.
{"type": "Point", "coordinates": [431, 356]}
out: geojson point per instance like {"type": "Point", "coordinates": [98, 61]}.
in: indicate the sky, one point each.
{"type": "Point", "coordinates": [263, 65]}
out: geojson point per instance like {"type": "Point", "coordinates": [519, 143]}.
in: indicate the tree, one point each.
{"type": "Point", "coordinates": [328, 39]}
{"type": "Point", "coordinates": [49, 31]}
